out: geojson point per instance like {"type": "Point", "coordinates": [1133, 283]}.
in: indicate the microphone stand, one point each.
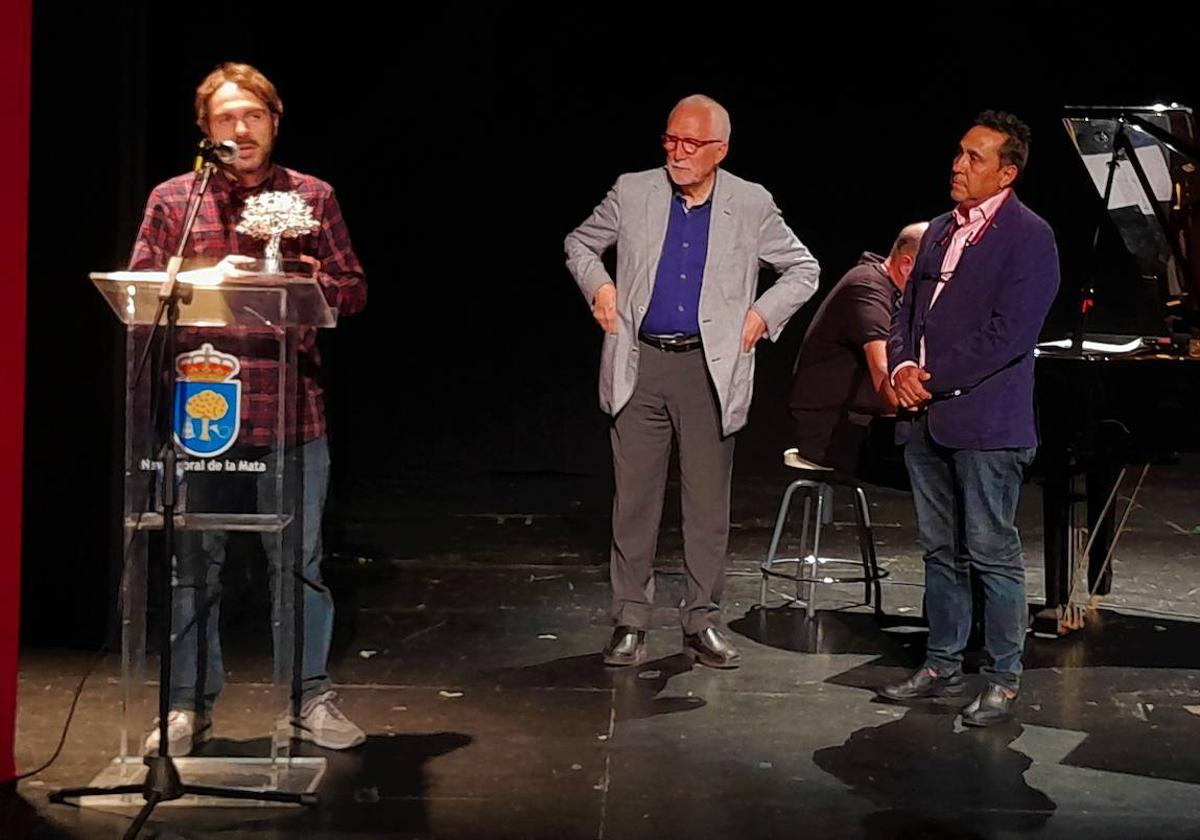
{"type": "Point", "coordinates": [170, 292]}
{"type": "Point", "coordinates": [162, 782]}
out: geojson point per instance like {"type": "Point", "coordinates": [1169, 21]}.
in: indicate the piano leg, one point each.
{"type": "Point", "coordinates": [1057, 515]}
{"type": "Point", "coordinates": [1061, 501]}
{"type": "Point", "coordinates": [1057, 496]}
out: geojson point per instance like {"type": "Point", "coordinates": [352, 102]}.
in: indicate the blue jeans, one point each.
{"type": "Point", "coordinates": [966, 505]}
{"type": "Point", "coordinates": [196, 587]}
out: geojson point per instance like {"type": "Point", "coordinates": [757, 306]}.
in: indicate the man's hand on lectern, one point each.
{"type": "Point", "coordinates": [229, 265]}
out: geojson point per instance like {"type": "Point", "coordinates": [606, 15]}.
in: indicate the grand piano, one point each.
{"type": "Point", "coordinates": [1118, 390]}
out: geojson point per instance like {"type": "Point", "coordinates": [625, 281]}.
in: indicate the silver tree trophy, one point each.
{"type": "Point", "coordinates": [272, 216]}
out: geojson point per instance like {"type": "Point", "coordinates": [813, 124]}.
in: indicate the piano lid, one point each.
{"type": "Point", "coordinates": [1143, 162]}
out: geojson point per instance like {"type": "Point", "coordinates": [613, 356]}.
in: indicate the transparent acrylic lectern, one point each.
{"type": "Point", "coordinates": [237, 343]}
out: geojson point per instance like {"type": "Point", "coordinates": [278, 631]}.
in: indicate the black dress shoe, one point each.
{"type": "Point", "coordinates": [992, 706]}
{"type": "Point", "coordinates": [626, 647]}
{"type": "Point", "coordinates": [924, 683]}
{"type": "Point", "coordinates": [710, 647]}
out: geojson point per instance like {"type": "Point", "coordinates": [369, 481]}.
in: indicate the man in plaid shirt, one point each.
{"type": "Point", "coordinates": [237, 102]}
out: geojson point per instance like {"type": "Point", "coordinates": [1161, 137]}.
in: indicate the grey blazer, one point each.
{"type": "Point", "coordinates": [746, 231]}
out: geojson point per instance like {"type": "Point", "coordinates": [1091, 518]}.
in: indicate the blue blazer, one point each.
{"type": "Point", "coordinates": [980, 335]}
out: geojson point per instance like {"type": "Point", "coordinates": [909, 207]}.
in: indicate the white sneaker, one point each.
{"type": "Point", "coordinates": [186, 730]}
{"type": "Point", "coordinates": [323, 723]}
{"type": "Point", "coordinates": [793, 459]}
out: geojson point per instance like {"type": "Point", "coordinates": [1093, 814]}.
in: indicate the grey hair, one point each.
{"type": "Point", "coordinates": [720, 117]}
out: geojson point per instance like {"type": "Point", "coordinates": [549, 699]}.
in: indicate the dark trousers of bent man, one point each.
{"type": "Point", "coordinates": [673, 401]}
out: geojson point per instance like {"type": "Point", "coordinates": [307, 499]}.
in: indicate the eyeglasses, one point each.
{"type": "Point", "coordinates": [690, 144]}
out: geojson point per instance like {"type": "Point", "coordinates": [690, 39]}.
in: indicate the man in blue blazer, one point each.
{"type": "Point", "coordinates": [961, 359]}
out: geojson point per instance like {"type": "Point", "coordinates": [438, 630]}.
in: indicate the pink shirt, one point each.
{"type": "Point", "coordinates": [970, 224]}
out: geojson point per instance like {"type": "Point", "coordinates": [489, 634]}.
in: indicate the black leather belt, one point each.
{"type": "Point", "coordinates": [672, 343]}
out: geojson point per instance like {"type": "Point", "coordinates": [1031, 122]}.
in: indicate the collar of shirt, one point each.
{"type": "Point", "coordinates": [982, 212]}
{"type": "Point", "coordinates": [883, 272]}
{"type": "Point", "coordinates": [682, 199]}
{"type": "Point", "coordinates": [897, 292]}
{"type": "Point", "coordinates": [231, 186]}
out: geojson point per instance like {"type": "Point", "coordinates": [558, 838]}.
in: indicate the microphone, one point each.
{"type": "Point", "coordinates": [225, 151]}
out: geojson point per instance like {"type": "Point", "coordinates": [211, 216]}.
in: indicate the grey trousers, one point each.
{"type": "Point", "coordinates": [673, 401]}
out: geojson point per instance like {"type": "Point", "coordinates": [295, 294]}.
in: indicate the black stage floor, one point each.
{"type": "Point", "coordinates": [470, 618]}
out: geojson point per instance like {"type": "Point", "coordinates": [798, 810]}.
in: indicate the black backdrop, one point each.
{"type": "Point", "coordinates": [463, 145]}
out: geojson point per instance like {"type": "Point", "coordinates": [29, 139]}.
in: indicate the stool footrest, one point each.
{"type": "Point", "coordinates": [808, 570]}
{"type": "Point", "coordinates": [797, 577]}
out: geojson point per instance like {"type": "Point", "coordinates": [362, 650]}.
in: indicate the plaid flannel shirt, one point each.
{"type": "Point", "coordinates": [214, 236]}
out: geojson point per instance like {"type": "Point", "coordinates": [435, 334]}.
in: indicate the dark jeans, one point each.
{"type": "Point", "coordinates": [966, 505]}
{"type": "Point", "coordinates": [196, 607]}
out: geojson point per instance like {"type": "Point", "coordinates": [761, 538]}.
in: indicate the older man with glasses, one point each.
{"type": "Point", "coordinates": [681, 320]}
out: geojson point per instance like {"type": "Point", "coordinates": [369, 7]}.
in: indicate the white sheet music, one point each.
{"type": "Point", "coordinates": [1094, 346]}
{"type": "Point", "coordinates": [1127, 190]}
